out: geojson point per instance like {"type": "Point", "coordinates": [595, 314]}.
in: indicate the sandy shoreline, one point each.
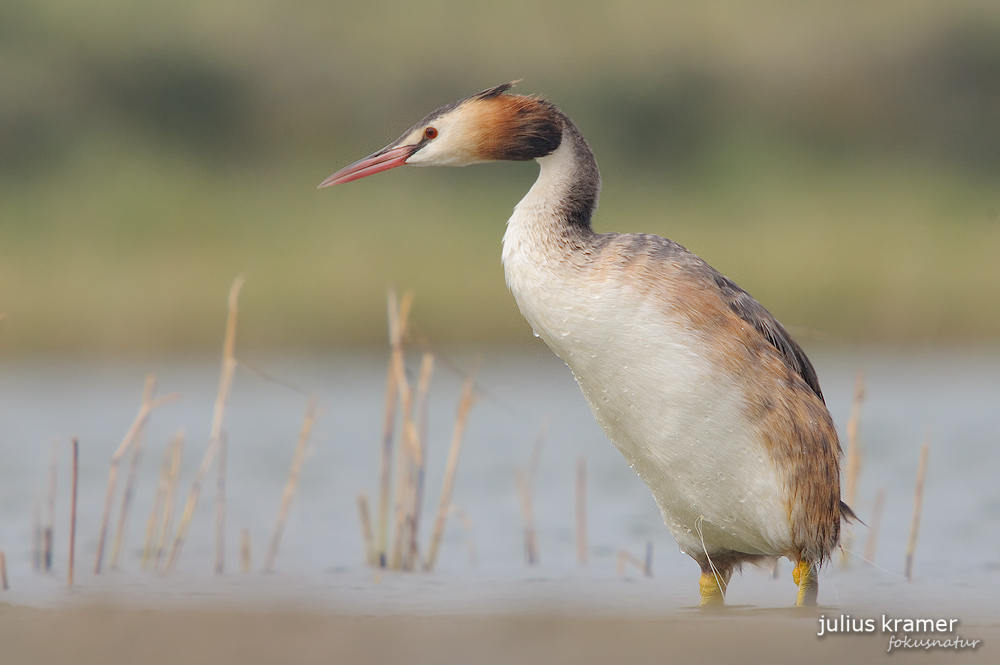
{"type": "Point", "coordinates": [106, 635]}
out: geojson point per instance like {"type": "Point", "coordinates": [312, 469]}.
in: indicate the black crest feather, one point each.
{"type": "Point", "coordinates": [496, 90]}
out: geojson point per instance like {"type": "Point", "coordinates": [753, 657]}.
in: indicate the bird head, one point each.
{"type": "Point", "coordinates": [487, 126]}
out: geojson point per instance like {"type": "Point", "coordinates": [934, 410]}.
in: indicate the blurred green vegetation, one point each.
{"type": "Point", "coordinates": [841, 161]}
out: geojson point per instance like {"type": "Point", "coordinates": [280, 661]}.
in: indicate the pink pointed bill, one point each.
{"type": "Point", "coordinates": [383, 160]}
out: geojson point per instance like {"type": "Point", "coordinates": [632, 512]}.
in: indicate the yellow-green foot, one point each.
{"type": "Point", "coordinates": [713, 589]}
{"type": "Point", "coordinates": [806, 576]}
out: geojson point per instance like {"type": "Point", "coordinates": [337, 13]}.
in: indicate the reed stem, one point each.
{"type": "Point", "coordinates": [408, 455]}
{"type": "Point", "coordinates": [130, 480]}
{"type": "Point", "coordinates": [36, 533]}
{"type": "Point", "coordinates": [72, 511]}
{"type": "Point", "coordinates": [852, 468]}
{"type": "Point", "coordinates": [917, 505]}
{"type": "Point", "coordinates": [527, 515]}
{"type": "Point", "coordinates": [245, 561]}
{"type": "Point", "coordinates": [367, 537]}
{"type": "Point", "coordinates": [872, 542]}
{"type": "Point", "coordinates": [218, 415]}
{"type": "Point", "coordinates": [154, 514]}
{"type": "Point", "coordinates": [853, 465]}
{"type": "Point", "coordinates": [470, 534]}
{"type": "Point", "coordinates": [398, 314]}
{"type": "Point", "coordinates": [625, 558]}
{"type": "Point", "coordinates": [215, 444]}
{"type": "Point", "coordinates": [525, 483]}
{"type": "Point", "coordinates": [643, 565]}
{"type": "Point", "coordinates": [192, 501]}
{"type": "Point", "coordinates": [293, 480]}
{"type": "Point", "coordinates": [423, 386]}
{"type": "Point", "coordinates": [385, 467]}
{"type": "Point", "coordinates": [410, 465]}
{"type": "Point", "coordinates": [220, 505]}
{"type": "Point", "coordinates": [50, 508]}
{"type": "Point", "coordinates": [581, 510]}
{"type": "Point", "coordinates": [176, 454]}
{"type": "Point", "coordinates": [464, 405]}
{"type": "Point", "coordinates": [137, 425]}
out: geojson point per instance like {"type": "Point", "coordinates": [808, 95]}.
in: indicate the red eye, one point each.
{"type": "Point", "coordinates": [430, 133]}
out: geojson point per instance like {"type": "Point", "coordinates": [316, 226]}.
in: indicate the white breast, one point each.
{"type": "Point", "coordinates": [673, 413]}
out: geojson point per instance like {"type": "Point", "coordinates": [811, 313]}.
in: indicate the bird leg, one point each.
{"type": "Point", "coordinates": [713, 584]}
{"type": "Point", "coordinates": [806, 577]}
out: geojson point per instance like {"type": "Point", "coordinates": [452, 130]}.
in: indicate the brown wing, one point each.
{"type": "Point", "coordinates": [751, 311]}
{"type": "Point", "coordinates": [643, 247]}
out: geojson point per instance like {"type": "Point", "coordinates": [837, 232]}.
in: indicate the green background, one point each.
{"type": "Point", "coordinates": [841, 161]}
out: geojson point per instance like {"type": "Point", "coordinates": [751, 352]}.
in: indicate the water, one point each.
{"type": "Point", "coordinates": [952, 396]}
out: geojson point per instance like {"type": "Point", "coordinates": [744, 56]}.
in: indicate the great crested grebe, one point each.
{"type": "Point", "coordinates": [706, 395]}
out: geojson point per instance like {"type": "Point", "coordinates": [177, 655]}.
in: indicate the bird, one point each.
{"type": "Point", "coordinates": [706, 395]}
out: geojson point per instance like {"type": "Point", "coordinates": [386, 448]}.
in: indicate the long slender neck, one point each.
{"type": "Point", "coordinates": [565, 195]}
{"type": "Point", "coordinates": [549, 233]}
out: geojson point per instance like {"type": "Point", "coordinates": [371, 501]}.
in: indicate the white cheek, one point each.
{"type": "Point", "coordinates": [443, 151]}
{"type": "Point", "coordinates": [422, 157]}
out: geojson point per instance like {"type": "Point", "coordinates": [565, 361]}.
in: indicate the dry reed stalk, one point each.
{"type": "Point", "coordinates": [852, 467]}
{"type": "Point", "coordinates": [3, 571]}
{"type": "Point", "coordinates": [215, 443]}
{"type": "Point", "coordinates": [220, 505]}
{"type": "Point", "coordinates": [366, 528]}
{"type": "Point", "coordinates": [423, 386]}
{"type": "Point", "coordinates": [130, 480]}
{"type": "Point", "coordinates": [36, 533]}
{"type": "Point", "coordinates": [72, 511]}
{"type": "Point", "coordinates": [47, 552]}
{"type": "Point", "coordinates": [411, 462]}
{"type": "Point", "coordinates": [218, 413]}
{"type": "Point", "coordinates": [409, 450]}
{"type": "Point", "coordinates": [581, 510]}
{"type": "Point", "coordinates": [137, 425]}
{"type": "Point", "coordinates": [385, 467]}
{"type": "Point", "coordinates": [872, 541]}
{"type": "Point", "coordinates": [625, 558]}
{"type": "Point", "coordinates": [154, 514]}
{"type": "Point", "coordinates": [918, 500]}
{"type": "Point", "coordinates": [398, 313]}
{"type": "Point", "coordinates": [192, 501]}
{"type": "Point", "coordinates": [461, 417]}
{"type": "Point", "coordinates": [176, 453]}
{"type": "Point", "coordinates": [50, 507]}
{"type": "Point", "coordinates": [408, 455]}
{"type": "Point", "coordinates": [403, 492]}
{"type": "Point", "coordinates": [245, 551]}
{"type": "Point", "coordinates": [524, 501]}
{"type": "Point", "coordinates": [470, 534]}
{"type": "Point", "coordinates": [647, 568]}
{"type": "Point", "coordinates": [119, 541]}
{"type": "Point", "coordinates": [293, 480]}
{"type": "Point", "coordinates": [525, 483]}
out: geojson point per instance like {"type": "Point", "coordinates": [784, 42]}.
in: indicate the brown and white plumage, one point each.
{"type": "Point", "coordinates": [706, 395]}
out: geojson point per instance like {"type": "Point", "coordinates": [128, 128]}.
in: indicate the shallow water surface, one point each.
{"type": "Point", "coordinates": [951, 396]}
